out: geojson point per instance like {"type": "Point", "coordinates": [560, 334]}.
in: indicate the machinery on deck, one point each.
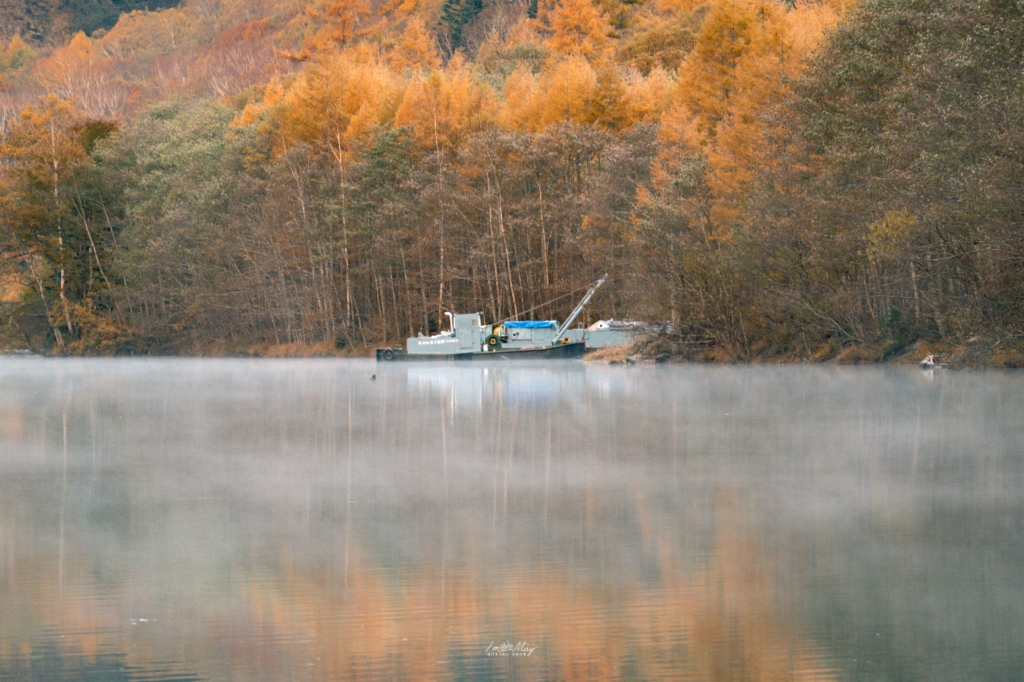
{"type": "Point", "coordinates": [469, 339]}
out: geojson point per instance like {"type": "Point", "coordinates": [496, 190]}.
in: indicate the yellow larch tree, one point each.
{"type": "Point", "coordinates": [650, 95]}
{"type": "Point", "coordinates": [678, 6]}
{"type": "Point", "coordinates": [397, 10]}
{"type": "Point", "coordinates": [445, 107]}
{"type": "Point", "coordinates": [745, 59]}
{"type": "Point", "coordinates": [341, 21]}
{"type": "Point", "coordinates": [574, 90]}
{"type": "Point", "coordinates": [338, 105]}
{"type": "Point", "coordinates": [520, 101]}
{"type": "Point", "coordinates": [657, 40]}
{"type": "Point", "coordinates": [707, 78]}
{"type": "Point", "coordinates": [609, 106]}
{"type": "Point", "coordinates": [567, 92]}
{"type": "Point", "coordinates": [415, 50]}
{"type": "Point", "coordinates": [341, 97]}
{"type": "Point", "coordinates": [577, 27]}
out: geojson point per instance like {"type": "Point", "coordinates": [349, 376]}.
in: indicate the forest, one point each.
{"type": "Point", "coordinates": [763, 180]}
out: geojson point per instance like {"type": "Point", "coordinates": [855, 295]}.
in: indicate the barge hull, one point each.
{"type": "Point", "coordinates": [563, 351]}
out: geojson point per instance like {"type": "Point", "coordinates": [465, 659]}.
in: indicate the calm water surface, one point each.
{"type": "Point", "coordinates": [296, 520]}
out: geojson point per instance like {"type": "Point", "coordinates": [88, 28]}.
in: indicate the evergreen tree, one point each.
{"type": "Point", "coordinates": [457, 14]}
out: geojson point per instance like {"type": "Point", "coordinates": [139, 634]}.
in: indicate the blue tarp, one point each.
{"type": "Point", "coordinates": [531, 324]}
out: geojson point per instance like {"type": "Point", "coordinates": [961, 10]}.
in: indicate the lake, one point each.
{"type": "Point", "coordinates": [235, 519]}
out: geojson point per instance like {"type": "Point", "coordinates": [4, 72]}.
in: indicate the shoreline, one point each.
{"type": "Point", "coordinates": [976, 353]}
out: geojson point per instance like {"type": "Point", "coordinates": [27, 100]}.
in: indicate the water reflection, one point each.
{"type": "Point", "coordinates": [274, 520]}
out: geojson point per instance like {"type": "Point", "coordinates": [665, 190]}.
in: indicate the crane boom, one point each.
{"type": "Point", "coordinates": [579, 308]}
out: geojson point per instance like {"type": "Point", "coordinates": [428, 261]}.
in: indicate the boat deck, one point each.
{"type": "Point", "coordinates": [564, 351]}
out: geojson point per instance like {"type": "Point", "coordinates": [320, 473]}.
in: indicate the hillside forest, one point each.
{"type": "Point", "coordinates": [812, 179]}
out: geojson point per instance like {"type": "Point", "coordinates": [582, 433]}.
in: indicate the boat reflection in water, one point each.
{"type": "Point", "coordinates": [294, 520]}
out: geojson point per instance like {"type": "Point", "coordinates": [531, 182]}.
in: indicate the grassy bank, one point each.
{"type": "Point", "coordinates": [976, 352]}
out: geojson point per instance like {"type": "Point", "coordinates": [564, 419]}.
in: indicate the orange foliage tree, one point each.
{"type": "Point", "coordinates": [745, 59]}
{"type": "Point", "coordinates": [52, 207]}
{"type": "Point", "coordinates": [341, 21]}
{"type": "Point", "coordinates": [340, 97]}
{"type": "Point", "coordinates": [576, 27]}
{"type": "Point", "coordinates": [445, 107]}
{"type": "Point", "coordinates": [415, 50]}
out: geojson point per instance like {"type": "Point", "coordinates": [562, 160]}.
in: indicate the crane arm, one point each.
{"type": "Point", "coordinates": [579, 308]}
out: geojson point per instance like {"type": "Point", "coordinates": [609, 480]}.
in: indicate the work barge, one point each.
{"type": "Point", "coordinates": [469, 340]}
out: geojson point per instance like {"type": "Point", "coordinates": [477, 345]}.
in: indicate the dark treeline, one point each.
{"type": "Point", "coordinates": [888, 213]}
{"type": "Point", "coordinates": [894, 213]}
{"type": "Point", "coordinates": [897, 212]}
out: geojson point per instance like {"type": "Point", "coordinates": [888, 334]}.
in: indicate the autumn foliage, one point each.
{"type": "Point", "coordinates": [355, 168]}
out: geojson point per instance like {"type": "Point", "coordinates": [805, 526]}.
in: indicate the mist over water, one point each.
{"type": "Point", "coordinates": [297, 520]}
